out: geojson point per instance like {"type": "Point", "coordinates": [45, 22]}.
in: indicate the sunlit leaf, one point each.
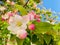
{"type": "Point", "coordinates": [42, 27]}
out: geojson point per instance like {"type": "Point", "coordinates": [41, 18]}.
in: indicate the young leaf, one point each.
{"type": "Point", "coordinates": [21, 9]}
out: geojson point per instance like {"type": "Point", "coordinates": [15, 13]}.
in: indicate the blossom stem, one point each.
{"type": "Point", "coordinates": [19, 41]}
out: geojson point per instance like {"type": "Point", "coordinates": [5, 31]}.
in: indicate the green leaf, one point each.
{"type": "Point", "coordinates": [42, 27]}
{"type": "Point", "coordinates": [57, 27]}
{"type": "Point", "coordinates": [34, 38]}
{"type": "Point", "coordinates": [47, 38]}
{"type": "Point", "coordinates": [27, 41]}
{"type": "Point", "coordinates": [13, 37]}
{"type": "Point", "coordinates": [41, 40]}
{"type": "Point", "coordinates": [21, 9]}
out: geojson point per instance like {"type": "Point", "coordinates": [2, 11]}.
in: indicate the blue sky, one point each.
{"type": "Point", "coordinates": [53, 4]}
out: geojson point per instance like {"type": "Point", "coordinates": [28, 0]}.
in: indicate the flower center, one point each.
{"type": "Point", "coordinates": [18, 23]}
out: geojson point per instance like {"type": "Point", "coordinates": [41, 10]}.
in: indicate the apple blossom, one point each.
{"type": "Point", "coordinates": [18, 26]}
{"type": "Point", "coordinates": [7, 15]}
{"type": "Point", "coordinates": [33, 16]}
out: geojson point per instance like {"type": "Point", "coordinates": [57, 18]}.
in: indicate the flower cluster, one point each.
{"type": "Point", "coordinates": [18, 24]}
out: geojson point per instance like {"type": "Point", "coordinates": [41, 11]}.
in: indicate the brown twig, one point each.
{"type": "Point", "coordinates": [26, 3]}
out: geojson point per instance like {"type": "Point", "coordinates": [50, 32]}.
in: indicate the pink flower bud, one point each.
{"type": "Point", "coordinates": [31, 26]}
{"type": "Point", "coordinates": [38, 20]}
{"type": "Point", "coordinates": [23, 34]}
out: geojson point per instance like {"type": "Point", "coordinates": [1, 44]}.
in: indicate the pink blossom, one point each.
{"type": "Point", "coordinates": [31, 26]}
{"type": "Point", "coordinates": [33, 16]}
